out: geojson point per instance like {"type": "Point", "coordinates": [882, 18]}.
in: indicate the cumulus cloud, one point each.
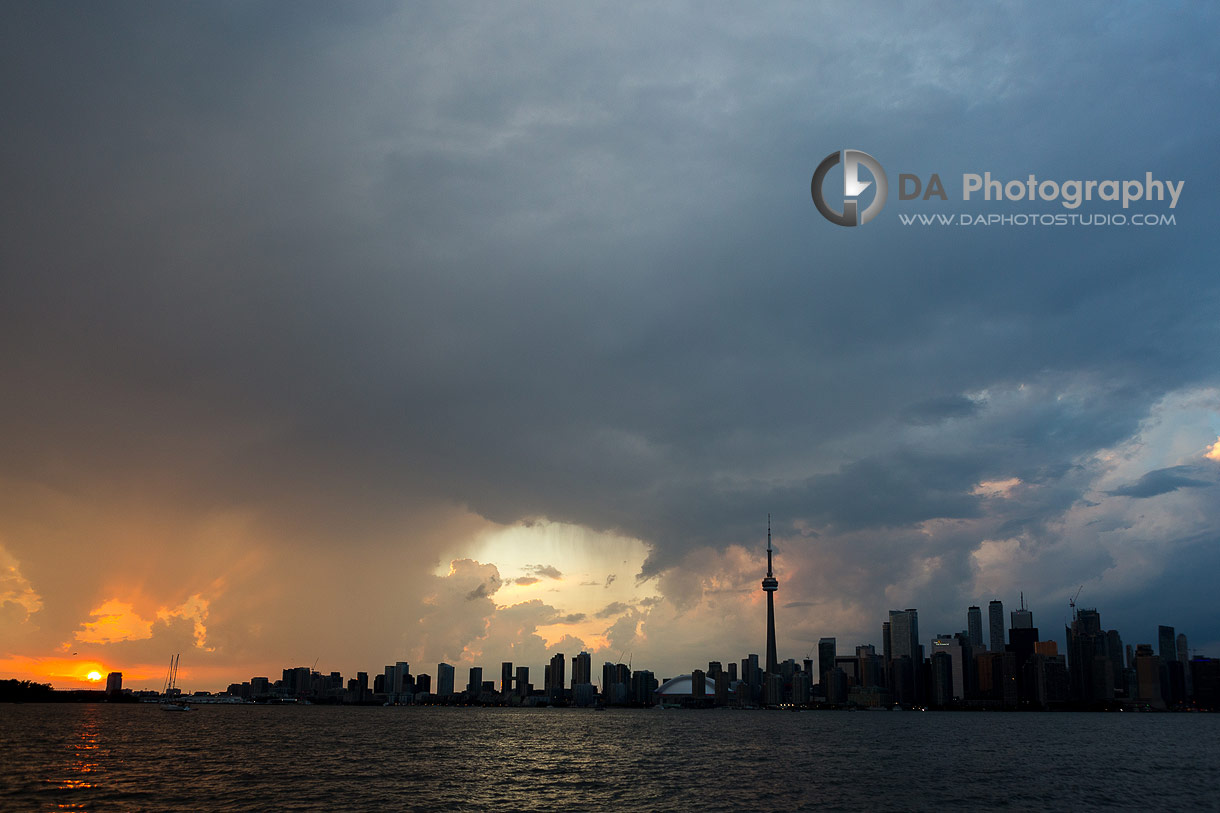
{"type": "Point", "coordinates": [545, 571]}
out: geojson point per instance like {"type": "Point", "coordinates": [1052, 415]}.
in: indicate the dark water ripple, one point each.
{"type": "Point", "coordinates": [218, 758]}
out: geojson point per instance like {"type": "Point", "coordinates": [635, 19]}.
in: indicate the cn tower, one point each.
{"type": "Point", "coordinates": [770, 584]}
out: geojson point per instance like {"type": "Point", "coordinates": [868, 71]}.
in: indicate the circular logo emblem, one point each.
{"type": "Point", "coordinates": [852, 187]}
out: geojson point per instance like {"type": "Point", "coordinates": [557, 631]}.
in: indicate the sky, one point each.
{"type": "Point", "coordinates": [350, 334]}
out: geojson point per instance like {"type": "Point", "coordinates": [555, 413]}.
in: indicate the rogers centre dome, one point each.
{"type": "Point", "coordinates": [683, 686]}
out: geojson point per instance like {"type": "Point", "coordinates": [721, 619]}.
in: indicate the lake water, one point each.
{"type": "Point", "coordinates": [223, 758]}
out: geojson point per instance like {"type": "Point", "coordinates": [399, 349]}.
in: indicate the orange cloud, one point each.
{"type": "Point", "coordinates": [15, 589]}
{"type": "Point", "coordinates": [1213, 452]}
{"type": "Point", "coordinates": [194, 609]}
{"type": "Point", "coordinates": [114, 621]}
{"type": "Point", "coordinates": [117, 620]}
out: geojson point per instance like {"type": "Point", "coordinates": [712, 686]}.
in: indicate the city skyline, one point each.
{"type": "Point", "coordinates": [475, 335]}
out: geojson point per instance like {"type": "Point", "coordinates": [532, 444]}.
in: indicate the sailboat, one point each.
{"type": "Point", "coordinates": [171, 695]}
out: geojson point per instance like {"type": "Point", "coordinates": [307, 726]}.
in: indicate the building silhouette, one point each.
{"type": "Point", "coordinates": [995, 619]}
{"type": "Point", "coordinates": [770, 584]}
{"type": "Point", "coordinates": [974, 626]}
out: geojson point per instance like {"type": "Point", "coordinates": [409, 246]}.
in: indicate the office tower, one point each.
{"type": "Point", "coordinates": [770, 584]}
{"type": "Point", "coordinates": [942, 676]}
{"type": "Point", "coordinates": [950, 645]}
{"type": "Point", "coordinates": [1184, 659]}
{"type": "Point", "coordinates": [714, 668]}
{"type": "Point", "coordinates": [582, 669]}
{"type": "Point", "coordinates": [698, 684]}
{"type": "Point", "coordinates": [114, 683]}
{"type": "Point", "coordinates": [1114, 651]}
{"type": "Point", "coordinates": [1148, 676]}
{"type": "Point", "coordinates": [887, 648]}
{"type": "Point", "coordinates": [523, 681]}
{"type": "Point", "coordinates": [1166, 645]}
{"type": "Point", "coordinates": [1089, 668]}
{"type": "Point", "coordinates": [995, 617]}
{"type": "Point", "coordinates": [904, 634]}
{"type": "Point", "coordinates": [733, 671]}
{"type": "Point", "coordinates": [444, 679]}
{"type": "Point", "coordinates": [974, 626]}
{"type": "Point", "coordinates": [475, 686]}
{"type": "Point", "coordinates": [906, 664]}
{"type": "Point", "coordinates": [752, 675]}
{"type": "Point", "coordinates": [826, 659]}
{"type": "Point", "coordinates": [869, 667]}
{"type": "Point", "coordinates": [506, 677]}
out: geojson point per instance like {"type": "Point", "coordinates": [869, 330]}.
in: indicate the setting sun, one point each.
{"type": "Point", "coordinates": [94, 676]}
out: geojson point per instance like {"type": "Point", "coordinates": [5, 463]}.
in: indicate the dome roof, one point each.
{"type": "Point", "coordinates": [684, 685]}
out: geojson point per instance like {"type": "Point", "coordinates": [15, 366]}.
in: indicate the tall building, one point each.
{"type": "Point", "coordinates": [770, 584]}
{"type": "Point", "coordinates": [1184, 659]}
{"type": "Point", "coordinates": [523, 681]}
{"type": "Point", "coordinates": [974, 626]}
{"type": "Point", "coordinates": [995, 618]}
{"type": "Point", "coordinates": [906, 663]}
{"type": "Point", "coordinates": [951, 645]}
{"type": "Point", "coordinates": [506, 677]}
{"type": "Point", "coordinates": [826, 659]}
{"type": "Point", "coordinates": [1090, 669]}
{"type": "Point", "coordinates": [475, 685]}
{"type": "Point", "coordinates": [114, 683]}
{"type": "Point", "coordinates": [1167, 647]}
{"type": "Point", "coordinates": [904, 634]}
{"type": "Point", "coordinates": [582, 669]}
{"type": "Point", "coordinates": [554, 687]}
{"type": "Point", "coordinates": [444, 679]}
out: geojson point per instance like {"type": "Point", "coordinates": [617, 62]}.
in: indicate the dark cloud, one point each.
{"type": "Point", "coordinates": [941, 409]}
{"type": "Point", "coordinates": [547, 571]}
{"type": "Point", "coordinates": [612, 609]}
{"type": "Point", "coordinates": [1162, 481]}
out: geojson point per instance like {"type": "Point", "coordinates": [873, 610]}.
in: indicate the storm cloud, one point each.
{"type": "Point", "coordinates": [319, 293]}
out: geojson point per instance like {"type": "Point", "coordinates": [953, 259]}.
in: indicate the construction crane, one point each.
{"type": "Point", "coordinates": [1072, 601]}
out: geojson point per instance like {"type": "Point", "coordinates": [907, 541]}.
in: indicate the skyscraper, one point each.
{"type": "Point", "coordinates": [770, 584]}
{"type": "Point", "coordinates": [826, 659]}
{"type": "Point", "coordinates": [506, 677]}
{"type": "Point", "coordinates": [475, 684]}
{"type": "Point", "coordinates": [995, 617]}
{"type": "Point", "coordinates": [974, 626]}
{"type": "Point", "coordinates": [582, 669]}
{"type": "Point", "coordinates": [554, 686]}
{"type": "Point", "coordinates": [904, 634]}
{"type": "Point", "coordinates": [1167, 645]}
{"type": "Point", "coordinates": [444, 679]}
